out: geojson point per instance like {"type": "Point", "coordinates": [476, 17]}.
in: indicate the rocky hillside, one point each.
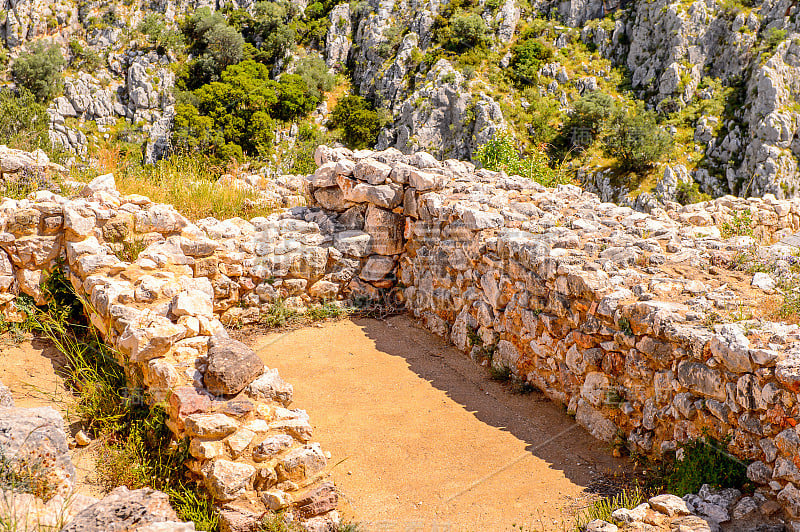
{"type": "Point", "coordinates": [720, 78]}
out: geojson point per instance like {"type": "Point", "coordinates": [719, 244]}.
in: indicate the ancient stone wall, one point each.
{"type": "Point", "coordinates": [628, 319]}
{"type": "Point", "coordinates": [606, 310]}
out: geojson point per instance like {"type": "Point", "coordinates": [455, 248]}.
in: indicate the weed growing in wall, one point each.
{"type": "Point", "coordinates": [741, 224]}
{"type": "Point", "coordinates": [703, 461]}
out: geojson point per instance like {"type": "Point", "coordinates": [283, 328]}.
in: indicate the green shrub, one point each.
{"type": "Point", "coordinates": [636, 140]}
{"type": "Point", "coordinates": [39, 70]}
{"type": "Point", "coordinates": [271, 31]}
{"type": "Point", "coordinates": [232, 116]}
{"type": "Point", "coordinates": [689, 192]}
{"type": "Point", "coordinates": [83, 58]}
{"type": "Point", "coordinates": [315, 74]}
{"type": "Point", "coordinates": [159, 37]}
{"type": "Point", "coordinates": [741, 224]}
{"type": "Point", "coordinates": [294, 98]}
{"type": "Point", "coordinates": [501, 154]}
{"type": "Point", "coordinates": [358, 123]}
{"type": "Point", "coordinates": [526, 59]}
{"type": "Point", "coordinates": [465, 31]}
{"type": "Point", "coordinates": [308, 138]}
{"type": "Point", "coordinates": [773, 37]}
{"type": "Point", "coordinates": [705, 461]}
{"type": "Point", "coordinates": [590, 117]}
{"type": "Point", "coordinates": [23, 121]}
{"type": "Point", "coordinates": [214, 43]}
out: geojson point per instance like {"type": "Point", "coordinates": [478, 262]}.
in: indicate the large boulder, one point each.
{"type": "Point", "coordinates": [6, 400]}
{"type": "Point", "coordinates": [34, 440]}
{"type": "Point", "coordinates": [122, 510]}
{"type": "Point", "coordinates": [231, 366]}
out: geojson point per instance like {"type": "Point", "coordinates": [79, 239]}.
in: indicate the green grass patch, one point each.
{"type": "Point", "coordinates": [603, 508]}
{"type": "Point", "coordinates": [280, 315]}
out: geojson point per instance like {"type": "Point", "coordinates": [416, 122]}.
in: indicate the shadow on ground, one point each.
{"type": "Point", "coordinates": [421, 437]}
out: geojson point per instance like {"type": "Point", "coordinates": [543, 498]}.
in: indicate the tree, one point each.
{"type": "Point", "coordinates": [466, 31]}
{"type": "Point", "coordinates": [224, 44]}
{"type": "Point", "coordinates": [526, 58]}
{"type": "Point", "coordinates": [215, 44]}
{"type": "Point", "coordinates": [636, 140]}
{"type": "Point", "coordinates": [358, 123]}
{"type": "Point", "coordinates": [235, 116]}
{"type": "Point", "coordinates": [315, 74]}
{"type": "Point", "coordinates": [193, 132]}
{"type": "Point", "coordinates": [39, 70]}
{"type": "Point", "coordinates": [294, 98]}
{"type": "Point", "coordinates": [590, 117]}
{"type": "Point", "coordinates": [161, 38]}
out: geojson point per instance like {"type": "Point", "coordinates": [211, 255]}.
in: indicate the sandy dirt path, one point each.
{"type": "Point", "coordinates": [423, 440]}
{"type": "Point", "coordinates": [33, 370]}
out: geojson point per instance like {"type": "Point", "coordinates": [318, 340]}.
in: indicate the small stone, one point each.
{"type": "Point", "coordinates": [598, 525]}
{"type": "Point", "coordinates": [320, 500]}
{"type": "Point", "coordinates": [227, 480]}
{"type": "Point", "coordinates": [272, 387]}
{"type": "Point", "coordinates": [302, 463]}
{"type": "Point", "coordinates": [192, 303]}
{"type": "Point", "coordinates": [210, 425]}
{"type": "Point", "coordinates": [626, 516]}
{"type": "Point", "coordinates": [759, 472]}
{"type": "Point", "coordinates": [124, 509]}
{"type": "Point", "coordinates": [6, 399]}
{"type": "Point", "coordinates": [272, 446]}
{"type": "Point", "coordinates": [239, 440]}
{"type": "Point", "coordinates": [276, 499]}
{"type": "Point", "coordinates": [763, 281]}
{"type": "Point", "coordinates": [103, 183]}
{"type": "Point", "coordinates": [670, 505]}
{"type": "Point", "coordinates": [745, 507]}
{"type": "Point", "coordinates": [693, 523]}
{"type": "Point", "coordinates": [82, 439]}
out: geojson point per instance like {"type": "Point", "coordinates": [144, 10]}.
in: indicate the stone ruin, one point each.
{"type": "Point", "coordinates": [604, 309]}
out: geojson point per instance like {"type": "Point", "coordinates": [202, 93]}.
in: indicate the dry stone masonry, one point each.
{"type": "Point", "coordinates": [614, 313]}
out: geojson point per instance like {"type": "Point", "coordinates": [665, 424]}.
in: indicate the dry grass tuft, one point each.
{"type": "Point", "coordinates": [188, 182]}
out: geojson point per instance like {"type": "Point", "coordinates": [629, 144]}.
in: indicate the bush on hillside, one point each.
{"type": "Point", "coordinates": [23, 121]}
{"type": "Point", "coordinates": [39, 70]}
{"type": "Point", "coordinates": [465, 31]}
{"type": "Point", "coordinates": [84, 59]}
{"type": "Point", "coordinates": [315, 74]}
{"type": "Point", "coordinates": [589, 119]}
{"type": "Point", "coordinates": [237, 115]}
{"type": "Point", "coordinates": [159, 37]}
{"type": "Point", "coordinates": [214, 43]}
{"type": "Point", "coordinates": [636, 140]}
{"type": "Point", "coordinates": [294, 98]}
{"type": "Point", "coordinates": [358, 123]}
{"type": "Point", "coordinates": [526, 58]}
